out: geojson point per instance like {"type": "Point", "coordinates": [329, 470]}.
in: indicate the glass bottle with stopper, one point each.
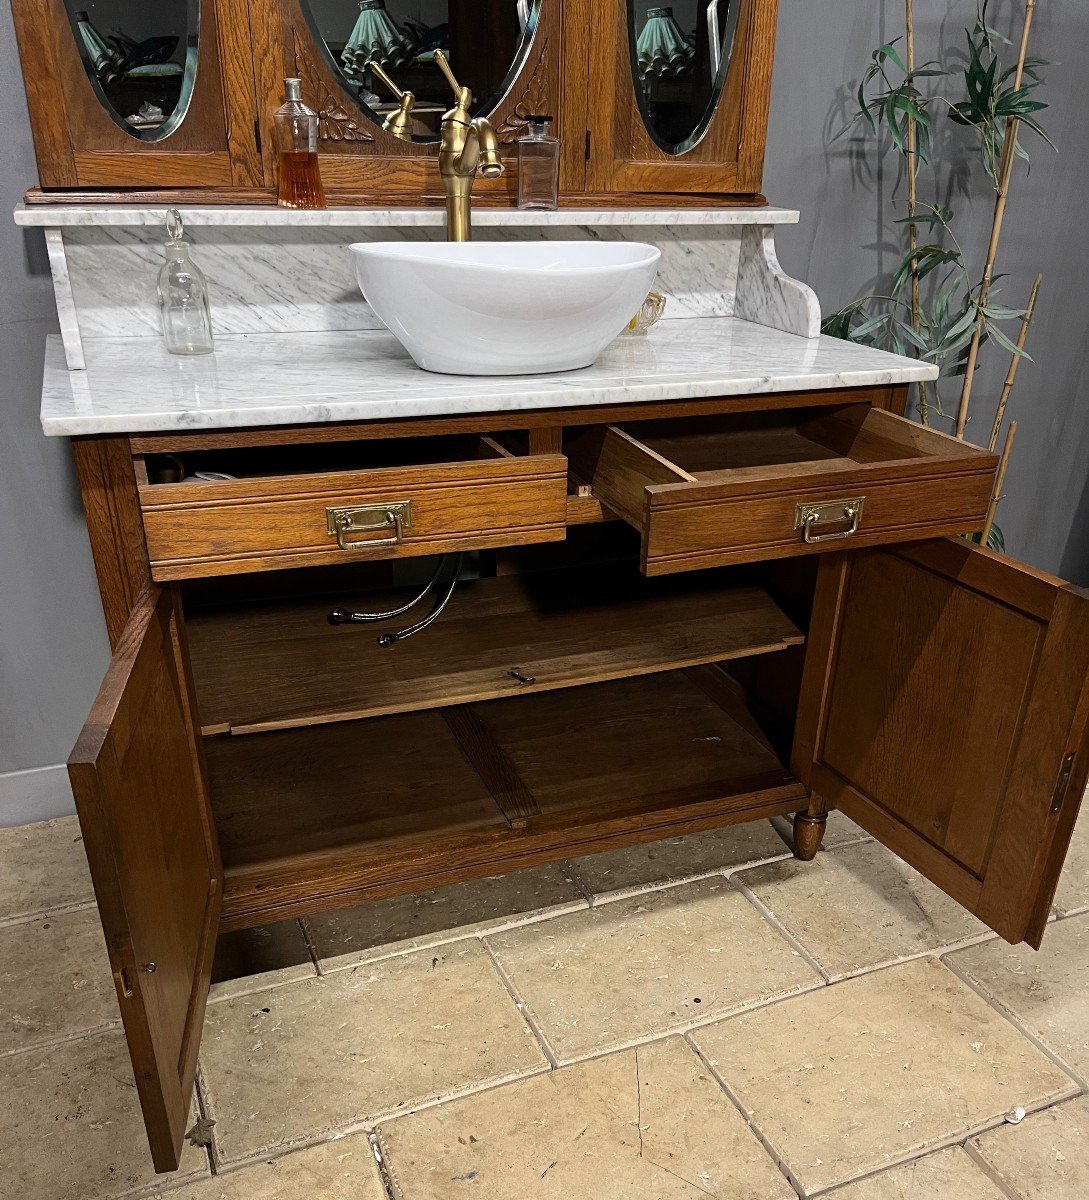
{"type": "Point", "coordinates": [183, 296]}
{"type": "Point", "coordinates": [297, 151]}
{"type": "Point", "coordinates": [538, 165]}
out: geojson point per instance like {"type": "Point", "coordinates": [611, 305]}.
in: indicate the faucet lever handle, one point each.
{"type": "Point", "coordinates": [376, 69]}
{"type": "Point", "coordinates": [463, 96]}
{"type": "Point", "coordinates": [400, 122]}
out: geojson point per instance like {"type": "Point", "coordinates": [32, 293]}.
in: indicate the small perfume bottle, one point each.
{"type": "Point", "coordinates": [538, 165]}
{"type": "Point", "coordinates": [183, 296]}
{"type": "Point", "coordinates": [297, 151]}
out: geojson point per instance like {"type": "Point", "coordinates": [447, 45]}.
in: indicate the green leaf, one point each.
{"type": "Point", "coordinates": [996, 540]}
{"type": "Point", "coordinates": [925, 259]}
{"type": "Point", "coordinates": [996, 333]}
{"type": "Point", "coordinates": [888, 51]}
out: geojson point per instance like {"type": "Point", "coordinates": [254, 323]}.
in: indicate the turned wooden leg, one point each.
{"type": "Point", "coordinates": [808, 832]}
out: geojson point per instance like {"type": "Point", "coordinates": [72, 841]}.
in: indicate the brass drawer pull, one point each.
{"type": "Point", "coordinates": [374, 517]}
{"type": "Point", "coordinates": [808, 516]}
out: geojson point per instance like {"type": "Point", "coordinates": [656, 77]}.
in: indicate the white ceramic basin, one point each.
{"type": "Point", "coordinates": [505, 308]}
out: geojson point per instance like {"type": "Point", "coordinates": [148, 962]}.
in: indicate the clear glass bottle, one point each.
{"type": "Point", "coordinates": [183, 296]}
{"type": "Point", "coordinates": [538, 165]}
{"type": "Point", "coordinates": [297, 151]}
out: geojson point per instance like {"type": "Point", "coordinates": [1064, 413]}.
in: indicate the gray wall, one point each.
{"type": "Point", "coordinates": [847, 235]}
{"type": "Point", "coordinates": [53, 647]}
{"type": "Point", "coordinates": [52, 639]}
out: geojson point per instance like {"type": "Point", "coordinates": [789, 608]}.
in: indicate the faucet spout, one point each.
{"type": "Point", "coordinates": [480, 152]}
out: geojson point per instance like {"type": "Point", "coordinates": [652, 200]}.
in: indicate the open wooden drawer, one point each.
{"type": "Point", "coordinates": [726, 489]}
{"type": "Point", "coordinates": [296, 506]}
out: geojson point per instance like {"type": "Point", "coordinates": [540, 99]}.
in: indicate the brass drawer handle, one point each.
{"type": "Point", "coordinates": [370, 519]}
{"type": "Point", "coordinates": [808, 516]}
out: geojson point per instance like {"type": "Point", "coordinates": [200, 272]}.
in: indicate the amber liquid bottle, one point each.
{"type": "Point", "coordinates": [297, 152]}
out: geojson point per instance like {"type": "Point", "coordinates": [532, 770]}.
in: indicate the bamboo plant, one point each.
{"type": "Point", "coordinates": [936, 305]}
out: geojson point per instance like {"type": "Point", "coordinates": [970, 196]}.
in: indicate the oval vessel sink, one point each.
{"type": "Point", "coordinates": [505, 308]}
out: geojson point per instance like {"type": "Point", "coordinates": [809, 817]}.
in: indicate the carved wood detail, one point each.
{"type": "Point", "coordinates": [335, 123]}
{"type": "Point", "coordinates": [534, 99]}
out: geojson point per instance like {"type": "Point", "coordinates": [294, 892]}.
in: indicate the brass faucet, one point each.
{"type": "Point", "coordinates": [468, 145]}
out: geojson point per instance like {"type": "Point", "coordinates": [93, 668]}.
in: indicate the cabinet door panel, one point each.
{"type": "Point", "coordinates": [728, 155]}
{"type": "Point", "coordinates": [141, 792]}
{"type": "Point", "coordinates": [944, 709]}
{"type": "Point", "coordinates": [81, 138]}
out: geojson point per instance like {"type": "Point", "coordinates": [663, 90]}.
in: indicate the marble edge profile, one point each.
{"type": "Point", "coordinates": [323, 412]}
{"type": "Point", "coordinates": [64, 215]}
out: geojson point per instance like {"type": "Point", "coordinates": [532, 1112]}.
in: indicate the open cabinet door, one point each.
{"type": "Point", "coordinates": [141, 791]}
{"type": "Point", "coordinates": [944, 708]}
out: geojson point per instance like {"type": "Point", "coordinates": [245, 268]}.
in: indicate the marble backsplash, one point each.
{"type": "Point", "coordinates": [297, 279]}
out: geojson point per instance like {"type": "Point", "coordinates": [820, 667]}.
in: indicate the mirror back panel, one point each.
{"type": "Point", "coordinates": [140, 59]}
{"type": "Point", "coordinates": [679, 97]}
{"type": "Point", "coordinates": [125, 94]}
{"type": "Point", "coordinates": [513, 61]}
{"type": "Point", "coordinates": [680, 55]}
{"type": "Point", "coordinates": [487, 40]}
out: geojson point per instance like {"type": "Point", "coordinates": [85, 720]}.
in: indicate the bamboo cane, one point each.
{"type": "Point", "coordinates": [1015, 362]}
{"type": "Point", "coordinates": [1005, 172]}
{"type": "Point", "coordinates": [913, 201]}
{"type": "Point", "coordinates": [999, 480]}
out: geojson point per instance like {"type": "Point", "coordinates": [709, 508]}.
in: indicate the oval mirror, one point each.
{"type": "Point", "coordinates": [141, 59]}
{"type": "Point", "coordinates": [680, 54]}
{"type": "Point", "coordinates": [486, 42]}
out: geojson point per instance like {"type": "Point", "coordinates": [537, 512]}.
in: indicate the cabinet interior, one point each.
{"type": "Point", "coordinates": [714, 448]}
{"type": "Point", "coordinates": [256, 462]}
{"type": "Point", "coordinates": [341, 771]}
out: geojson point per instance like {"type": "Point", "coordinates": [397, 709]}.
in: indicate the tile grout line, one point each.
{"type": "Point", "coordinates": [660, 1035]}
{"type": "Point", "coordinates": [968, 943]}
{"type": "Point", "coordinates": [460, 933]}
{"type": "Point", "coordinates": [44, 914]}
{"type": "Point", "coordinates": [200, 1089]}
{"type": "Point", "coordinates": [1011, 1018]}
{"type": "Point", "coordinates": [1007, 1189]}
{"type": "Point", "coordinates": [911, 1156]}
{"type": "Point", "coordinates": [63, 1039]}
{"type": "Point", "coordinates": [779, 927]}
{"type": "Point", "coordinates": [574, 876]}
{"type": "Point", "coordinates": [746, 1115]}
{"type": "Point", "coordinates": [312, 950]}
{"type": "Point", "coordinates": [520, 1004]}
{"type": "Point", "coordinates": [665, 885]}
{"type": "Point", "coordinates": [356, 1129]}
{"type": "Point", "coordinates": [385, 1173]}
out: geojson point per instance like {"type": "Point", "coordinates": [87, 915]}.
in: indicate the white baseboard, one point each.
{"type": "Point", "coordinates": [35, 795]}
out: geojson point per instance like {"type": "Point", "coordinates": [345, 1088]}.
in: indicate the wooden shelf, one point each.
{"type": "Point", "coordinates": [320, 817]}
{"type": "Point", "coordinates": [282, 666]}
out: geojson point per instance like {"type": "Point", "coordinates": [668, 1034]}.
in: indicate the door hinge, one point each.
{"type": "Point", "coordinates": [1062, 784]}
{"type": "Point", "coordinates": [587, 145]}
{"type": "Point", "coordinates": [257, 133]}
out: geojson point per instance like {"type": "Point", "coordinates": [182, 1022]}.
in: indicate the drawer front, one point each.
{"type": "Point", "coordinates": [707, 494]}
{"type": "Point", "coordinates": [685, 528]}
{"type": "Point", "coordinates": [259, 524]}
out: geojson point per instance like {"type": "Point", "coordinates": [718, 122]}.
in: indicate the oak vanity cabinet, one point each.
{"type": "Point", "coordinates": [88, 82]}
{"type": "Point", "coordinates": [587, 687]}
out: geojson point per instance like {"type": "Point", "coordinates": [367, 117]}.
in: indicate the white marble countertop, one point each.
{"type": "Point", "coordinates": [57, 216]}
{"type": "Point", "coordinates": [132, 385]}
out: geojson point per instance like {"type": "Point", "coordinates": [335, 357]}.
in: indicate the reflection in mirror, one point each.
{"type": "Point", "coordinates": [485, 40]}
{"type": "Point", "coordinates": [141, 59]}
{"type": "Point", "coordinates": [680, 56]}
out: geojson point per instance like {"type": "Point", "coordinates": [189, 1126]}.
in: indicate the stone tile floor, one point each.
{"type": "Point", "coordinates": [704, 1017]}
